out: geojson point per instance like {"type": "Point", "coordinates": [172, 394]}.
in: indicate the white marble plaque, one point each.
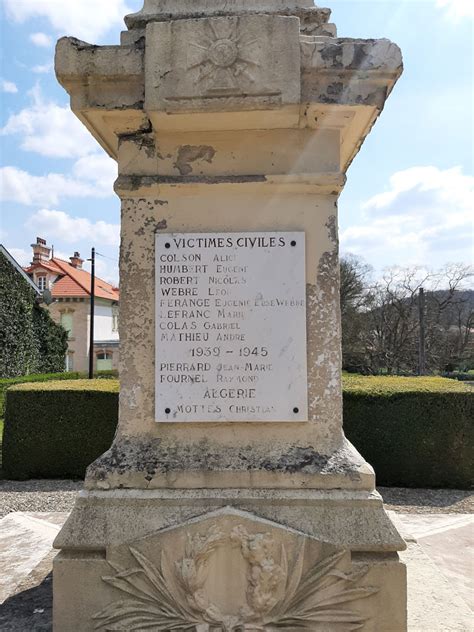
{"type": "Point", "coordinates": [231, 327]}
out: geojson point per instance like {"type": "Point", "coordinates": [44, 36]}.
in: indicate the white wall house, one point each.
{"type": "Point", "coordinates": [70, 288]}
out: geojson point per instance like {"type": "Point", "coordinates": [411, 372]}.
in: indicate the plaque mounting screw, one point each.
{"type": "Point", "coordinates": [167, 245]}
{"type": "Point", "coordinates": [293, 243]}
{"type": "Point", "coordinates": [167, 411]}
{"type": "Point", "coordinates": [296, 410]}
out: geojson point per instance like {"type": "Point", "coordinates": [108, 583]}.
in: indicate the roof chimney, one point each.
{"type": "Point", "coordinates": [41, 251]}
{"type": "Point", "coordinates": [76, 261]}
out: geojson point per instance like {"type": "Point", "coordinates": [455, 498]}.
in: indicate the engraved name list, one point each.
{"type": "Point", "coordinates": [230, 327]}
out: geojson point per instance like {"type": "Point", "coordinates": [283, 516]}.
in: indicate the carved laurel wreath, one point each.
{"type": "Point", "coordinates": [173, 598]}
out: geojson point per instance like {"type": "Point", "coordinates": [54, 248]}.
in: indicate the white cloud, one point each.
{"type": "Point", "coordinates": [105, 269]}
{"type": "Point", "coordinates": [86, 19]}
{"type": "Point", "coordinates": [42, 69]}
{"type": "Point", "coordinates": [457, 9]}
{"type": "Point", "coordinates": [424, 218]}
{"type": "Point", "coordinates": [61, 254]}
{"type": "Point", "coordinates": [8, 86]}
{"type": "Point", "coordinates": [21, 187]}
{"type": "Point", "coordinates": [97, 168]}
{"type": "Point", "coordinates": [60, 225]}
{"type": "Point", "coordinates": [21, 256]}
{"type": "Point", "coordinates": [41, 39]}
{"type": "Point", "coordinates": [49, 129]}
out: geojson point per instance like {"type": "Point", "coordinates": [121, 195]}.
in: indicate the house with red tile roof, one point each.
{"type": "Point", "coordinates": [70, 287]}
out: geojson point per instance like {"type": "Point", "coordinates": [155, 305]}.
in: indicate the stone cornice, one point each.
{"type": "Point", "coordinates": [324, 83]}
{"type": "Point", "coordinates": [316, 183]}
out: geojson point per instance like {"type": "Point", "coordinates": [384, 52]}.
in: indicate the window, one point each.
{"type": "Point", "coordinates": [41, 283]}
{"type": "Point", "coordinates": [67, 323]}
{"type": "Point", "coordinates": [104, 361]}
{"type": "Point", "coordinates": [104, 355]}
{"type": "Point", "coordinates": [69, 362]}
{"type": "Point", "coordinates": [115, 317]}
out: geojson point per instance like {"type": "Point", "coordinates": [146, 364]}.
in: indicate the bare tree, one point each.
{"type": "Point", "coordinates": [450, 317]}
{"type": "Point", "coordinates": [355, 277]}
{"type": "Point", "coordinates": [383, 322]}
{"type": "Point", "coordinates": [392, 322]}
{"type": "Point", "coordinates": [355, 281]}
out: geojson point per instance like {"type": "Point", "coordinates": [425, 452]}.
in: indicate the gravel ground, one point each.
{"type": "Point", "coordinates": [45, 495]}
{"type": "Point", "coordinates": [447, 501]}
{"type": "Point", "coordinates": [55, 495]}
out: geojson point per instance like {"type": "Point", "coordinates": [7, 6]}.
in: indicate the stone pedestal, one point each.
{"type": "Point", "coordinates": [229, 117]}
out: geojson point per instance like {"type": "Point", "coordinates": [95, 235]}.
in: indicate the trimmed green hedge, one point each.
{"type": "Point", "coordinates": [10, 381]}
{"type": "Point", "coordinates": [416, 432]}
{"type": "Point", "coordinates": [47, 377]}
{"type": "Point", "coordinates": [462, 376]}
{"type": "Point", "coordinates": [56, 429]}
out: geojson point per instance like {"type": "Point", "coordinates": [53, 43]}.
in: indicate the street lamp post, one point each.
{"type": "Point", "coordinates": [91, 329]}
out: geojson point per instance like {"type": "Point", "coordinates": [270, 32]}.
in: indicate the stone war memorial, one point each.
{"type": "Point", "coordinates": [230, 499]}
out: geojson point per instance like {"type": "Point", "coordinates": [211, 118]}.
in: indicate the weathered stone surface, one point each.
{"type": "Point", "coordinates": [350, 518]}
{"type": "Point", "coordinates": [229, 117]}
{"type": "Point", "coordinates": [276, 576]}
{"type": "Point", "coordinates": [173, 9]}
{"type": "Point", "coordinates": [281, 578]}
{"type": "Point", "coordinates": [330, 67]}
{"type": "Point", "coordinates": [155, 463]}
{"type": "Point", "coordinates": [219, 207]}
{"type": "Point", "coordinates": [226, 63]}
{"type": "Point", "coordinates": [228, 154]}
{"type": "Point", "coordinates": [313, 19]}
{"type": "Point", "coordinates": [248, 65]}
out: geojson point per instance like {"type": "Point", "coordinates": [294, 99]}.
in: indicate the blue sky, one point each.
{"type": "Point", "coordinates": [409, 196]}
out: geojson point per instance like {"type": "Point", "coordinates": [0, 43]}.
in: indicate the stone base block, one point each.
{"type": "Point", "coordinates": [80, 593]}
{"type": "Point", "coordinates": [229, 560]}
